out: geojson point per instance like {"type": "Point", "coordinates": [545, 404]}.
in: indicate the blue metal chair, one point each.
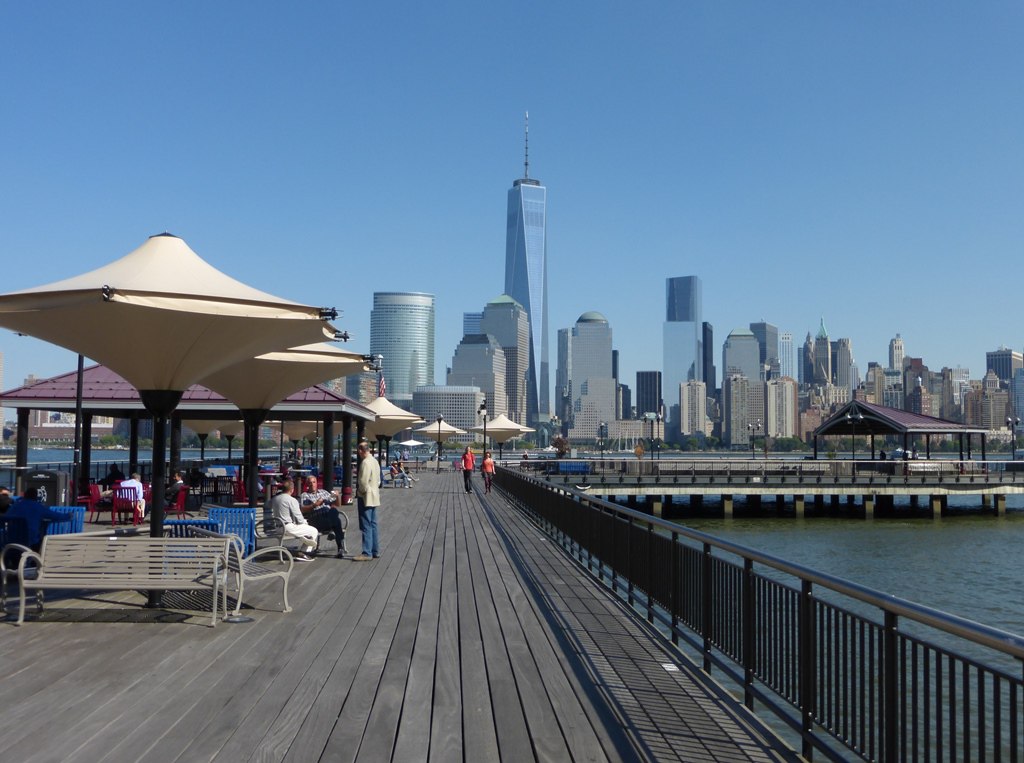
{"type": "Point", "coordinates": [179, 528]}
{"type": "Point", "coordinates": [73, 525]}
{"type": "Point", "coordinates": [238, 520]}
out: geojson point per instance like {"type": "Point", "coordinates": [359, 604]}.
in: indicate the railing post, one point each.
{"type": "Point", "coordinates": [629, 553]}
{"type": "Point", "coordinates": [650, 573]}
{"type": "Point", "coordinates": [748, 633]}
{"type": "Point", "coordinates": [890, 680]}
{"type": "Point", "coordinates": [705, 605]}
{"type": "Point", "coordinates": [675, 589]}
{"type": "Point", "coordinates": [808, 681]}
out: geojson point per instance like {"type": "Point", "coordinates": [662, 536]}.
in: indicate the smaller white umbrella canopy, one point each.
{"type": "Point", "coordinates": [440, 432]}
{"type": "Point", "coordinates": [302, 430]}
{"type": "Point", "coordinates": [502, 429]}
{"type": "Point", "coordinates": [411, 443]}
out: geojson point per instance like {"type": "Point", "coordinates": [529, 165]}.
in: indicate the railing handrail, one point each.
{"type": "Point", "coordinates": [995, 638]}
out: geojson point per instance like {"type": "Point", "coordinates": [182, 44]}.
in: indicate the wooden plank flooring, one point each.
{"type": "Point", "coordinates": [473, 638]}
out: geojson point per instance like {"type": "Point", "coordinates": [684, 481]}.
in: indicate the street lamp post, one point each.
{"type": "Point", "coordinates": [440, 418]}
{"type": "Point", "coordinates": [658, 445]}
{"type": "Point", "coordinates": [602, 432]}
{"type": "Point", "coordinates": [753, 428]}
{"type": "Point", "coordinates": [650, 418]}
{"type": "Point", "coordinates": [1012, 422]}
{"type": "Point", "coordinates": [483, 412]}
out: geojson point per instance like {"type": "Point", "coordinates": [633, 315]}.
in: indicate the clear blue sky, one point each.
{"type": "Point", "coordinates": [861, 161]}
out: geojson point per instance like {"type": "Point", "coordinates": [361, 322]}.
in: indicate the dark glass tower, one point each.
{"type": "Point", "coordinates": [526, 280]}
{"type": "Point", "coordinates": [683, 354]}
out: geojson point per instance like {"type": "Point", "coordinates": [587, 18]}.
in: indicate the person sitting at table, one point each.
{"type": "Point", "coordinates": [33, 512]}
{"type": "Point", "coordinates": [135, 483]}
{"type": "Point", "coordinates": [114, 475]}
{"type": "Point", "coordinates": [175, 486]}
{"type": "Point", "coordinates": [319, 507]}
{"type": "Point", "coordinates": [289, 516]}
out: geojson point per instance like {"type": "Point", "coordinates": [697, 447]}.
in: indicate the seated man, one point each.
{"type": "Point", "coordinates": [33, 512]}
{"type": "Point", "coordinates": [318, 505]}
{"type": "Point", "coordinates": [175, 486]}
{"type": "Point", "coordinates": [399, 476]}
{"type": "Point", "coordinates": [289, 516]}
{"type": "Point", "coordinates": [135, 483]}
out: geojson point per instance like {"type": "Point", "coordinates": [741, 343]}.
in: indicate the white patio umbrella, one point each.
{"type": "Point", "coordinates": [439, 431]}
{"type": "Point", "coordinates": [257, 384]}
{"type": "Point", "coordinates": [162, 318]}
{"type": "Point", "coordinates": [411, 443]}
{"type": "Point", "coordinates": [390, 421]}
{"type": "Point", "coordinates": [501, 429]}
{"type": "Point", "coordinates": [202, 428]}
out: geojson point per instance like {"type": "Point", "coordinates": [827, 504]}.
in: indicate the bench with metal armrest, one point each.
{"type": "Point", "coordinates": [253, 566]}
{"type": "Point", "coordinates": [119, 561]}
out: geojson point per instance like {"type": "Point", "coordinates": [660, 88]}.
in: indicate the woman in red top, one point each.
{"type": "Point", "coordinates": [487, 467]}
{"type": "Point", "coordinates": [468, 463]}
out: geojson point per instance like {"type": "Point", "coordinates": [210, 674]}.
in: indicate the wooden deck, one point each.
{"type": "Point", "coordinates": [472, 638]}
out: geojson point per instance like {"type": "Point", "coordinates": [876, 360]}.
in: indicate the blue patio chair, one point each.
{"type": "Point", "coordinates": [179, 528]}
{"type": "Point", "coordinates": [239, 520]}
{"type": "Point", "coordinates": [73, 525]}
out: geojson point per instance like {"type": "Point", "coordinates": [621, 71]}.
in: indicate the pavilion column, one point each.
{"type": "Point", "coordinates": [133, 443]}
{"type": "Point", "coordinates": [253, 417]}
{"type": "Point", "coordinates": [21, 452]}
{"type": "Point", "coordinates": [175, 459]}
{"type": "Point", "coordinates": [328, 456]}
{"type": "Point", "coordinates": [86, 461]}
{"type": "Point", "coordinates": [346, 457]}
{"type": "Point", "coordinates": [983, 456]}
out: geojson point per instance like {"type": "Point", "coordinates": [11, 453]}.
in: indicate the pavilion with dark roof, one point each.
{"type": "Point", "coordinates": [860, 418]}
{"type": "Point", "coordinates": [105, 393]}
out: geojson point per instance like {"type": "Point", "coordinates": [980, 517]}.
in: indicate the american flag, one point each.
{"type": "Point", "coordinates": [382, 386]}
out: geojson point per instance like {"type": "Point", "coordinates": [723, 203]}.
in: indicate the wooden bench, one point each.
{"type": "Point", "coordinates": [105, 561]}
{"type": "Point", "coordinates": [252, 567]}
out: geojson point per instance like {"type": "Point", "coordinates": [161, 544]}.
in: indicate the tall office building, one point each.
{"type": "Point", "coordinates": [459, 404]}
{"type": "Point", "coordinates": [807, 361]}
{"type": "Point", "coordinates": [842, 360]}
{"type": "Point", "coordinates": [505, 320]}
{"type": "Point", "coordinates": [1004, 362]}
{"type": "Point", "coordinates": [741, 355]}
{"type": "Point", "coordinates": [767, 337]}
{"type": "Point", "coordinates": [822, 356]}
{"type": "Point", "coordinates": [682, 351]}
{"type": "Point", "coordinates": [693, 408]}
{"type": "Point", "coordinates": [479, 362]}
{"type": "Point", "coordinates": [708, 375]}
{"type": "Point", "coordinates": [526, 279]}
{"type": "Point", "coordinates": [563, 376]}
{"type": "Point", "coordinates": [896, 353]}
{"type": "Point", "coordinates": [402, 330]}
{"type": "Point", "coordinates": [471, 323]}
{"type": "Point", "coordinates": [780, 407]}
{"type": "Point", "coordinates": [593, 387]}
{"type": "Point", "coordinates": [648, 392]}
{"type": "Point", "coordinates": [736, 410]}
{"type": "Point", "coordinates": [786, 359]}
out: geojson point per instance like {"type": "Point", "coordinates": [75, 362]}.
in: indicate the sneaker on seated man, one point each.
{"type": "Point", "coordinates": [288, 514]}
{"type": "Point", "coordinates": [318, 506]}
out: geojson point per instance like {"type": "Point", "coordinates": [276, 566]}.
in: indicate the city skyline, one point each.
{"type": "Point", "coordinates": [801, 160]}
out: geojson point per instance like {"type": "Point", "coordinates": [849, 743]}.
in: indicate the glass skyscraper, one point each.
{"type": "Point", "coordinates": [402, 330]}
{"type": "Point", "coordinates": [683, 353]}
{"type": "Point", "coordinates": [526, 281]}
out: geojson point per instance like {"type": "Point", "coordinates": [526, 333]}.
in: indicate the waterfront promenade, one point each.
{"type": "Point", "coordinates": [473, 638]}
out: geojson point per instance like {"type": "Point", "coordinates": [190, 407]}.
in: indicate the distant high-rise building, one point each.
{"type": "Point", "coordinates": [708, 374]}
{"type": "Point", "coordinates": [781, 412]}
{"type": "Point", "coordinates": [693, 413]}
{"type": "Point", "coordinates": [506, 320]}
{"type": "Point", "coordinates": [787, 366]}
{"type": "Point", "coordinates": [648, 392]}
{"type": "Point", "coordinates": [593, 388]}
{"type": "Point", "coordinates": [735, 410]}
{"type": "Point", "coordinates": [741, 355]}
{"type": "Point", "coordinates": [682, 354]}
{"type": "Point", "coordinates": [842, 361]}
{"type": "Point", "coordinates": [1004, 362]}
{"type": "Point", "coordinates": [624, 402]}
{"type": "Point", "coordinates": [459, 404]}
{"type": "Point", "coordinates": [471, 323]}
{"type": "Point", "coordinates": [807, 361]}
{"type": "Point", "coordinates": [402, 330]}
{"type": "Point", "coordinates": [822, 356]}
{"type": "Point", "coordinates": [767, 341]}
{"type": "Point", "coordinates": [563, 376]}
{"type": "Point", "coordinates": [896, 353]}
{"type": "Point", "coordinates": [526, 279]}
{"type": "Point", "coordinates": [479, 361]}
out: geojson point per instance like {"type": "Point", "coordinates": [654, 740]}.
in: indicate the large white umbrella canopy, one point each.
{"type": "Point", "coordinates": [390, 418]}
{"type": "Point", "coordinates": [502, 429]}
{"type": "Point", "coordinates": [302, 430]}
{"type": "Point", "coordinates": [161, 316]}
{"type": "Point", "coordinates": [440, 432]}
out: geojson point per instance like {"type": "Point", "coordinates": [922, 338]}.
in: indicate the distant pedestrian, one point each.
{"type": "Point", "coordinates": [468, 464]}
{"type": "Point", "coordinates": [487, 469]}
{"type": "Point", "coordinates": [368, 493]}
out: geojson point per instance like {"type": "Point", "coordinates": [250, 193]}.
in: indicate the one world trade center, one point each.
{"type": "Point", "coordinates": [526, 279]}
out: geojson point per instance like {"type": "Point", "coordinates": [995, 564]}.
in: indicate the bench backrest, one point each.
{"type": "Point", "coordinates": [136, 557]}
{"type": "Point", "coordinates": [239, 521]}
{"type": "Point", "coordinates": [75, 524]}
